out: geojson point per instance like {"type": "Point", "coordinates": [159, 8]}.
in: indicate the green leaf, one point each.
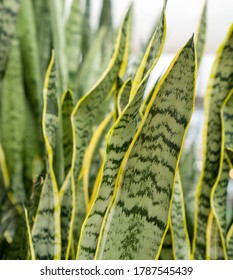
{"type": "Point", "coordinates": [46, 234]}
{"type": "Point", "coordinates": [86, 34]}
{"type": "Point", "coordinates": [219, 86]}
{"type": "Point", "coordinates": [87, 110]}
{"type": "Point", "coordinates": [67, 108]}
{"type": "Point", "coordinates": [167, 250]}
{"type": "Point", "coordinates": [13, 121]}
{"type": "Point", "coordinates": [74, 43]}
{"type": "Point", "coordinates": [230, 243]}
{"type": "Point", "coordinates": [44, 32]}
{"type": "Point", "coordinates": [91, 150]}
{"type": "Point", "coordinates": [92, 67]}
{"type": "Point", "coordinates": [9, 13]}
{"type": "Point", "coordinates": [219, 191]}
{"type": "Point", "coordinates": [123, 96]}
{"type": "Point", "coordinates": [118, 141]}
{"type": "Point", "coordinates": [67, 201]}
{"type": "Point", "coordinates": [201, 34]}
{"type": "Point", "coordinates": [32, 253]}
{"type": "Point", "coordinates": [106, 15]}
{"type": "Point", "coordinates": [214, 245]}
{"type": "Point", "coordinates": [152, 53]}
{"type": "Point", "coordinates": [137, 219]}
{"type": "Point", "coordinates": [26, 31]}
{"type": "Point", "coordinates": [58, 34]}
{"type": "Point", "coordinates": [179, 231]}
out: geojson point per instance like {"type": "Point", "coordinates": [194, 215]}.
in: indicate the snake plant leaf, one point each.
{"type": "Point", "coordinates": [219, 191]}
{"type": "Point", "coordinates": [26, 31]}
{"type": "Point", "coordinates": [105, 15]}
{"type": "Point", "coordinates": [228, 124]}
{"type": "Point", "coordinates": [86, 34]}
{"type": "Point", "coordinates": [179, 232]}
{"type": "Point", "coordinates": [147, 99]}
{"type": "Point", "coordinates": [91, 150]}
{"type": "Point", "coordinates": [43, 32]}
{"type": "Point", "coordinates": [13, 121]}
{"type": "Point", "coordinates": [201, 35]}
{"type": "Point", "coordinates": [67, 201]}
{"type": "Point", "coordinates": [230, 243]}
{"type": "Point", "coordinates": [153, 50]}
{"type": "Point", "coordinates": [87, 110]}
{"type": "Point", "coordinates": [216, 226]}
{"type": "Point", "coordinates": [167, 250]}
{"type": "Point", "coordinates": [32, 253]}
{"type": "Point", "coordinates": [118, 141]}
{"type": "Point", "coordinates": [137, 219]}
{"type": "Point", "coordinates": [74, 43]}
{"type": "Point", "coordinates": [9, 13]}
{"type": "Point", "coordinates": [46, 229]}
{"type": "Point", "coordinates": [31, 151]}
{"type": "Point", "coordinates": [58, 34]}
{"type": "Point", "coordinates": [214, 246]}
{"type": "Point", "coordinates": [219, 86]}
{"type": "Point", "coordinates": [67, 108]}
{"type": "Point", "coordinates": [92, 66]}
{"type": "Point", "coordinates": [123, 96]}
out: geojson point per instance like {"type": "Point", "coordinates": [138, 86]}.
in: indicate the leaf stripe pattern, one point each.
{"type": "Point", "coordinates": [9, 13]}
{"type": "Point", "coordinates": [46, 234]}
{"type": "Point", "coordinates": [137, 219]}
{"type": "Point", "coordinates": [67, 108]}
{"type": "Point", "coordinates": [118, 141]}
{"type": "Point", "coordinates": [221, 82]}
{"type": "Point", "coordinates": [13, 120]}
{"type": "Point", "coordinates": [180, 238]}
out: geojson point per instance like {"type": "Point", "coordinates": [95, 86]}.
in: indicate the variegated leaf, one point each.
{"type": "Point", "coordinates": [219, 86]}
{"type": "Point", "coordinates": [46, 234]}
{"type": "Point", "coordinates": [179, 231]}
{"type": "Point", "coordinates": [9, 13]}
{"type": "Point", "coordinates": [118, 141]}
{"type": "Point", "coordinates": [67, 108]}
{"type": "Point", "coordinates": [137, 218]}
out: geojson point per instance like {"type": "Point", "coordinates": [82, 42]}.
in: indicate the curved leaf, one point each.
{"type": "Point", "coordinates": [46, 234]}
{"type": "Point", "coordinates": [137, 218]}
{"type": "Point", "coordinates": [219, 86]}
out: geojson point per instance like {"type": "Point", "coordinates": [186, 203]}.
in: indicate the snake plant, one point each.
{"type": "Point", "coordinates": [92, 163]}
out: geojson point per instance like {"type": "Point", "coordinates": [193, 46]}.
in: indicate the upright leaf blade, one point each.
{"type": "Point", "coordinates": [201, 34]}
{"type": "Point", "coordinates": [46, 229]}
{"type": "Point", "coordinates": [180, 238]}
{"type": "Point", "coordinates": [137, 219]}
{"type": "Point", "coordinates": [9, 13]}
{"type": "Point", "coordinates": [219, 86]}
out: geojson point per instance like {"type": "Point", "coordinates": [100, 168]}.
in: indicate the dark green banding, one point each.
{"type": "Point", "coordinates": [220, 84]}
{"type": "Point", "coordinates": [137, 219]}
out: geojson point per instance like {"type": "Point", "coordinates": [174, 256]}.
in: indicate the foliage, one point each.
{"type": "Point", "coordinates": [90, 166]}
